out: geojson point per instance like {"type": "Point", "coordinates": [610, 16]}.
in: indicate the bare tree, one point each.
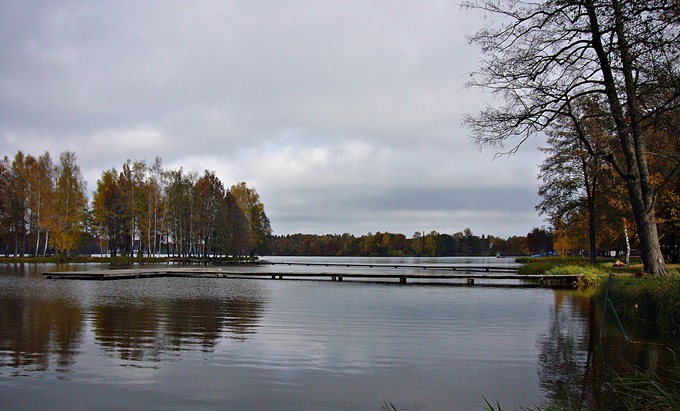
{"type": "Point", "coordinates": [546, 55]}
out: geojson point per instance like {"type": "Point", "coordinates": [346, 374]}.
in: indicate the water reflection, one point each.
{"type": "Point", "coordinates": [37, 332]}
{"type": "Point", "coordinates": [151, 328]}
{"type": "Point", "coordinates": [577, 367]}
{"type": "Point", "coordinates": [154, 327]}
{"type": "Point", "coordinates": [130, 332]}
{"type": "Point", "coordinates": [43, 323]}
{"type": "Point", "coordinates": [234, 344]}
{"type": "Point", "coordinates": [566, 354]}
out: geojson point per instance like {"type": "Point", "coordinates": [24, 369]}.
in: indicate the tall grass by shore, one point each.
{"type": "Point", "coordinates": [634, 390]}
{"type": "Point", "coordinates": [650, 302]}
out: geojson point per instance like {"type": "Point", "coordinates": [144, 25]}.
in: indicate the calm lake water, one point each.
{"type": "Point", "coordinates": [245, 344]}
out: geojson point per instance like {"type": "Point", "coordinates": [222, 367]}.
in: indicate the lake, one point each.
{"type": "Point", "coordinates": [244, 344]}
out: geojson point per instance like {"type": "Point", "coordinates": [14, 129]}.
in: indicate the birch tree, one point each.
{"type": "Point", "coordinates": [70, 203]}
{"type": "Point", "coordinates": [18, 202]}
{"type": "Point", "coordinates": [249, 201]}
{"type": "Point", "coordinates": [40, 197]}
{"type": "Point", "coordinates": [131, 183]}
{"type": "Point", "coordinates": [208, 193]}
{"type": "Point", "coordinates": [179, 193]}
{"type": "Point", "coordinates": [155, 205]}
{"type": "Point", "coordinates": [4, 203]}
{"type": "Point", "coordinates": [233, 228]}
{"type": "Point", "coordinates": [108, 210]}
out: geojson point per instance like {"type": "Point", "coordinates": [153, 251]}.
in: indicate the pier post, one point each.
{"type": "Point", "coordinates": [470, 281]}
{"type": "Point", "coordinates": [402, 280]}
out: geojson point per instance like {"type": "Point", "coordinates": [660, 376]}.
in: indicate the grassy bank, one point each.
{"type": "Point", "coordinates": [545, 264]}
{"type": "Point", "coordinates": [592, 273]}
{"type": "Point", "coordinates": [651, 302]}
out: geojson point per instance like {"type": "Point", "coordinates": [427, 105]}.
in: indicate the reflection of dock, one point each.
{"type": "Point", "coordinates": [382, 273]}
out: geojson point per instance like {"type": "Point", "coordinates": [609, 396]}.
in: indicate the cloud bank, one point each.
{"type": "Point", "coordinates": [344, 115]}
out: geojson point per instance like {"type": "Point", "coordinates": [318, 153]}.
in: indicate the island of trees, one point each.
{"type": "Point", "coordinates": [141, 210]}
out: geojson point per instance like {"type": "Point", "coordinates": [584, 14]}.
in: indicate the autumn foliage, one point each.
{"type": "Point", "coordinates": [141, 210]}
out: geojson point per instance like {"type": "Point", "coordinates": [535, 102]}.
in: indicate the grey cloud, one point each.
{"type": "Point", "coordinates": [344, 115]}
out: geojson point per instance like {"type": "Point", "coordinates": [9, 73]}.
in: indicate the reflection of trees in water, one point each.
{"type": "Point", "coordinates": [202, 322]}
{"type": "Point", "coordinates": [34, 330]}
{"type": "Point", "coordinates": [566, 355]}
{"type": "Point", "coordinates": [647, 351]}
{"type": "Point", "coordinates": [242, 317]}
{"type": "Point", "coordinates": [154, 327]}
{"type": "Point", "coordinates": [575, 365]}
{"type": "Point", "coordinates": [131, 331]}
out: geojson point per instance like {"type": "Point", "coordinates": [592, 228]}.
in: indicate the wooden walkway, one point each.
{"type": "Point", "coordinates": [466, 268]}
{"type": "Point", "coordinates": [195, 272]}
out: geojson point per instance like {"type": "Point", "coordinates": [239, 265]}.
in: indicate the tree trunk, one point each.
{"type": "Point", "coordinates": [650, 249]}
{"type": "Point", "coordinates": [47, 237]}
{"type": "Point", "coordinates": [625, 233]}
{"type": "Point", "coordinates": [37, 243]}
{"type": "Point", "coordinates": [627, 122]}
{"type": "Point", "coordinates": [592, 243]}
{"type": "Point", "coordinates": [592, 239]}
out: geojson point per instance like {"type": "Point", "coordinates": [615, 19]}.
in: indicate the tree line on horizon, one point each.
{"type": "Point", "coordinates": [141, 210]}
{"type": "Point", "coordinates": [421, 244]}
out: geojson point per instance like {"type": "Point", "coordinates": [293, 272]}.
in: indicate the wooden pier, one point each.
{"type": "Point", "coordinates": [467, 277]}
{"type": "Point", "coordinates": [466, 268]}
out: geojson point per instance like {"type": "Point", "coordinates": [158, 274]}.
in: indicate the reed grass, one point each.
{"type": "Point", "coordinates": [650, 301]}
{"type": "Point", "coordinates": [647, 391]}
{"type": "Point", "coordinates": [634, 390]}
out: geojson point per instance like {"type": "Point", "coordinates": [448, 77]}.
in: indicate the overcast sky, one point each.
{"type": "Point", "coordinates": [345, 116]}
